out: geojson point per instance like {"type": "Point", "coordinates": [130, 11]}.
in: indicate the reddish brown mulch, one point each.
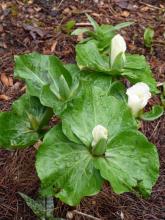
{"type": "Point", "coordinates": [29, 25]}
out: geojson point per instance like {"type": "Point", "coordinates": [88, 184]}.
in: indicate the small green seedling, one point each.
{"type": "Point", "coordinates": [148, 37]}
{"type": "Point", "coordinates": [68, 27]}
{"type": "Point", "coordinates": [42, 208]}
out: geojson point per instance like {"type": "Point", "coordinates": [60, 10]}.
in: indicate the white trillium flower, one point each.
{"type": "Point", "coordinates": [99, 132]}
{"type": "Point", "coordinates": [138, 96]}
{"type": "Point", "coordinates": [118, 45]}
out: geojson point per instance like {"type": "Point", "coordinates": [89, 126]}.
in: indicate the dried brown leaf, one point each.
{"type": "Point", "coordinates": [4, 97]}
{"type": "Point", "coordinates": [125, 14]}
{"type": "Point", "coordinates": [53, 47]}
{"type": "Point", "coordinates": [5, 80]}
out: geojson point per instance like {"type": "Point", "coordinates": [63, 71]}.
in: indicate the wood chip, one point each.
{"type": "Point", "coordinates": [1, 28]}
{"type": "Point", "coordinates": [146, 8]}
{"type": "Point", "coordinates": [4, 97]}
{"type": "Point", "coordinates": [53, 47]}
{"type": "Point", "coordinates": [5, 79]}
{"type": "Point", "coordinates": [10, 81]}
{"type": "Point", "coordinates": [125, 14]}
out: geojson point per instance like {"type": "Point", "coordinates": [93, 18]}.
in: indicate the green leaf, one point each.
{"type": "Point", "coordinates": [48, 79]}
{"type": "Point", "coordinates": [88, 57]}
{"type": "Point", "coordinates": [123, 25]}
{"type": "Point", "coordinates": [40, 70]}
{"type": "Point", "coordinates": [148, 37]}
{"type": "Point", "coordinates": [56, 69]}
{"type": "Point", "coordinates": [33, 68]}
{"type": "Point", "coordinates": [79, 31]}
{"type": "Point", "coordinates": [102, 81]}
{"type": "Point", "coordinates": [104, 35]}
{"type": "Point", "coordinates": [48, 98]}
{"type": "Point", "coordinates": [15, 131]}
{"type": "Point", "coordinates": [93, 22]}
{"type": "Point", "coordinates": [118, 90]}
{"type": "Point", "coordinates": [118, 63]}
{"type": "Point", "coordinates": [137, 69]}
{"type": "Point", "coordinates": [66, 169]}
{"type": "Point", "coordinates": [135, 61]}
{"type": "Point", "coordinates": [36, 207]}
{"type": "Point", "coordinates": [54, 97]}
{"type": "Point", "coordinates": [39, 209]}
{"type": "Point", "coordinates": [155, 113]}
{"type": "Point", "coordinates": [100, 147]}
{"type": "Point", "coordinates": [162, 96]}
{"type": "Point", "coordinates": [64, 89]}
{"type": "Point", "coordinates": [130, 164]}
{"type": "Point", "coordinates": [24, 124]}
{"type": "Point", "coordinates": [69, 25]}
{"type": "Point", "coordinates": [30, 106]}
{"type": "Point", "coordinates": [64, 86]}
{"type": "Point", "coordinates": [95, 107]}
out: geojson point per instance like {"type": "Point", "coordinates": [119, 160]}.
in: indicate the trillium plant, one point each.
{"type": "Point", "coordinates": [97, 137]}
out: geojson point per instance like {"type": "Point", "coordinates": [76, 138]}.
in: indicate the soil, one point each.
{"type": "Point", "coordinates": [29, 25]}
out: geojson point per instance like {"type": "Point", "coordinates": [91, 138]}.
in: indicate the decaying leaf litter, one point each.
{"type": "Point", "coordinates": [42, 28]}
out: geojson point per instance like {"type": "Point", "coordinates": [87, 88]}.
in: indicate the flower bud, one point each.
{"type": "Point", "coordinates": [138, 96]}
{"type": "Point", "coordinates": [99, 132]}
{"type": "Point", "coordinates": [99, 143]}
{"type": "Point", "coordinates": [118, 45]}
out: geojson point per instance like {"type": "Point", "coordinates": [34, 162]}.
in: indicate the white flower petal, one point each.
{"type": "Point", "coordinates": [98, 133]}
{"type": "Point", "coordinates": [138, 96]}
{"type": "Point", "coordinates": [118, 45]}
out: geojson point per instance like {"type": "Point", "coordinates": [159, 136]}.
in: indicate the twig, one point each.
{"type": "Point", "coordinates": [86, 215]}
{"type": "Point", "coordinates": [155, 129]}
{"type": "Point", "coordinates": [111, 10]}
{"type": "Point", "coordinates": [158, 42]}
{"type": "Point", "coordinates": [60, 3]}
{"type": "Point", "coordinates": [82, 24]}
{"type": "Point", "coordinates": [151, 6]}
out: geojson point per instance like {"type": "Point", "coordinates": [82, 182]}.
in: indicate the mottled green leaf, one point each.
{"type": "Point", "coordinates": [50, 93]}
{"type": "Point", "coordinates": [131, 163]}
{"type": "Point", "coordinates": [66, 165]}
{"type": "Point", "coordinates": [95, 107]}
{"type": "Point", "coordinates": [24, 124]}
{"type": "Point", "coordinates": [66, 169]}
{"type": "Point", "coordinates": [49, 99]}
{"type": "Point", "coordinates": [33, 68]}
{"type": "Point", "coordinates": [103, 81]}
{"type": "Point", "coordinates": [47, 77]}
{"type": "Point", "coordinates": [39, 209]}
{"type": "Point", "coordinates": [137, 69]}
{"type": "Point", "coordinates": [88, 57]}
{"type": "Point", "coordinates": [118, 90]}
{"type": "Point", "coordinates": [148, 37]}
{"type": "Point", "coordinates": [155, 113]}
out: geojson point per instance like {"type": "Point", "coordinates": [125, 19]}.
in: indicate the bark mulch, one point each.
{"type": "Point", "coordinates": [29, 25]}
